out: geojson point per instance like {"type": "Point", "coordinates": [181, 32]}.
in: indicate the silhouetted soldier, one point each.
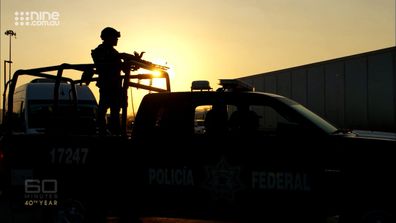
{"type": "Point", "coordinates": [109, 64]}
{"type": "Point", "coordinates": [216, 120]}
{"type": "Point", "coordinates": [244, 121]}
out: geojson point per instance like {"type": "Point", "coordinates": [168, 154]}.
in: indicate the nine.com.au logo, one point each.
{"type": "Point", "coordinates": [37, 18]}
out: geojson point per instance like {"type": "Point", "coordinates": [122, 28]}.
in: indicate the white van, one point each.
{"type": "Point", "coordinates": [34, 105]}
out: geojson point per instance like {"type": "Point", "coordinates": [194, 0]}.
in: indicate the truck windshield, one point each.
{"type": "Point", "coordinates": [311, 116]}
{"type": "Point", "coordinates": [317, 120]}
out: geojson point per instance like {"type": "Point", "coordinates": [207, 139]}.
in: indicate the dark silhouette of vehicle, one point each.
{"type": "Point", "coordinates": [268, 159]}
{"type": "Point", "coordinates": [33, 107]}
{"type": "Point", "coordinates": [260, 158]}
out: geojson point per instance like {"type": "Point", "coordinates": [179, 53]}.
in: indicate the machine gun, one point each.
{"type": "Point", "coordinates": [135, 61]}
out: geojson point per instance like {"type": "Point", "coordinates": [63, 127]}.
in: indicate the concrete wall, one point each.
{"type": "Point", "coordinates": [356, 92]}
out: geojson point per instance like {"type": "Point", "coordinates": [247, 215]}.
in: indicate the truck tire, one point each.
{"type": "Point", "coordinates": [371, 216]}
{"type": "Point", "coordinates": [71, 211]}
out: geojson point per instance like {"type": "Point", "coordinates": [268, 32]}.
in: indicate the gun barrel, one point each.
{"type": "Point", "coordinates": [146, 64]}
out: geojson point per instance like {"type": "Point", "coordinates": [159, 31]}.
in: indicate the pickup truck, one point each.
{"type": "Point", "coordinates": [259, 157]}
{"type": "Point", "coordinates": [262, 157]}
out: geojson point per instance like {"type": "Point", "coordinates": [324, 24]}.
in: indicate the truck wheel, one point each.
{"type": "Point", "coordinates": [372, 216]}
{"type": "Point", "coordinates": [377, 216]}
{"type": "Point", "coordinates": [70, 211]}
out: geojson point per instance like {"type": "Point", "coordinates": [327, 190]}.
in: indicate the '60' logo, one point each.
{"type": "Point", "coordinates": [35, 186]}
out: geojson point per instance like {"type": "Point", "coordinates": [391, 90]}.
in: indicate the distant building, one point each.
{"type": "Point", "coordinates": [357, 91]}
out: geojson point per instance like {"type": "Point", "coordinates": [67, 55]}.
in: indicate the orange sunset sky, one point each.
{"type": "Point", "coordinates": [206, 39]}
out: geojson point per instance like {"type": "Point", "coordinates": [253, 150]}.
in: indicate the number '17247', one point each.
{"type": "Point", "coordinates": [68, 155]}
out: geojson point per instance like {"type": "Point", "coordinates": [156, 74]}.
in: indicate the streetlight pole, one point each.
{"type": "Point", "coordinates": [9, 33]}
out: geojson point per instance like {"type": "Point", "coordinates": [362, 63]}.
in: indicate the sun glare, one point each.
{"type": "Point", "coordinates": [156, 73]}
{"type": "Point", "coordinates": [158, 81]}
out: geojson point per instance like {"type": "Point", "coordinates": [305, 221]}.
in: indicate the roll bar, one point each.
{"type": "Point", "coordinates": [90, 68]}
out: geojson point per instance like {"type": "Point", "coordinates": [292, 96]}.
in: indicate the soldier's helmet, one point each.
{"type": "Point", "coordinates": [109, 32]}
